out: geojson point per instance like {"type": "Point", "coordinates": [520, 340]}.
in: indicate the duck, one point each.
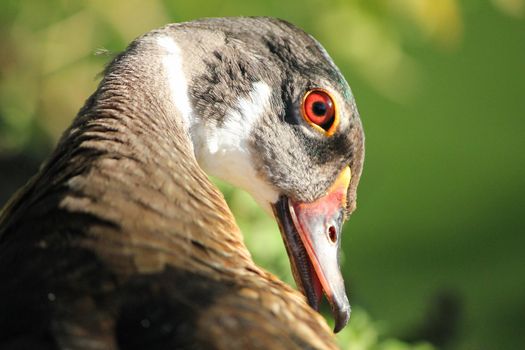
{"type": "Point", "coordinates": [121, 240]}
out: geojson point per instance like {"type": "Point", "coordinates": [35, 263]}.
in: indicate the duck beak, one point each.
{"type": "Point", "coordinates": [312, 236]}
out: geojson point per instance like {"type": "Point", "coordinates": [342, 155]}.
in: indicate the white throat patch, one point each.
{"type": "Point", "coordinates": [222, 151]}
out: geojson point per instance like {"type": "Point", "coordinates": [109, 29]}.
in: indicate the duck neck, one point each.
{"type": "Point", "coordinates": [136, 169]}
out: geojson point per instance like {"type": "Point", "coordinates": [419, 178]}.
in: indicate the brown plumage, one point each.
{"type": "Point", "coordinates": [121, 242]}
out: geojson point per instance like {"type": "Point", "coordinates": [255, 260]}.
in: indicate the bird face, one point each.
{"type": "Point", "coordinates": [268, 111]}
{"type": "Point", "coordinates": [307, 154]}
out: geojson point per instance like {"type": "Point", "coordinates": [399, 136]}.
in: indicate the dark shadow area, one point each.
{"type": "Point", "coordinates": [15, 170]}
{"type": "Point", "coordinates": [441, 323]}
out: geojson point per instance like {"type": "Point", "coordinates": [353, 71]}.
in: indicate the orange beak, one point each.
{"type": "Point", "coordinates": [312, 235]}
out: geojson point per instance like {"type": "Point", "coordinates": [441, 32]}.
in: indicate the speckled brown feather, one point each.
{"type": "Point", "coordinates": [121, 242]}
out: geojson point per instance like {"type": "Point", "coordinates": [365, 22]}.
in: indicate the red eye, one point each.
{"type": "Point", "coordinates": [319, 109]}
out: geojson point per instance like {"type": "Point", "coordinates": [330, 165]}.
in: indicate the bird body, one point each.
{"type": "Point", "coordinates": [122, 242]}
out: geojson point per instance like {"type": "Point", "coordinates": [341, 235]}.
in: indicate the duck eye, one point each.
{"type": "Point", "coordinates": [318, 109]}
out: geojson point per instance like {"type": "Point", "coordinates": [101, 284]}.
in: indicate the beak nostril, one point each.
{"type": "Point", "coordinates": [332, 234]}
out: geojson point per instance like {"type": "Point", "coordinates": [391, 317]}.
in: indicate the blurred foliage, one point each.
{"type": "Point", "coordinates": [435, 251]}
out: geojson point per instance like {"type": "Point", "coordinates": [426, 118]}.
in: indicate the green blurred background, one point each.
{"type": "Point", "coordinates": [436, 250]}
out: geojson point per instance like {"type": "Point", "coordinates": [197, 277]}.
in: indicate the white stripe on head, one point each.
{"type": "Point", "coordinates": [178, 84]}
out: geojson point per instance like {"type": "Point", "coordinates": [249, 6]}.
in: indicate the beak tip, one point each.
{"type": "Point", "coordinates": [341, 316]}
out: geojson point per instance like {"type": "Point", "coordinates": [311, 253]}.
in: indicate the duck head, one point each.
{"type": "Point", "coordinates": [267, 110]}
